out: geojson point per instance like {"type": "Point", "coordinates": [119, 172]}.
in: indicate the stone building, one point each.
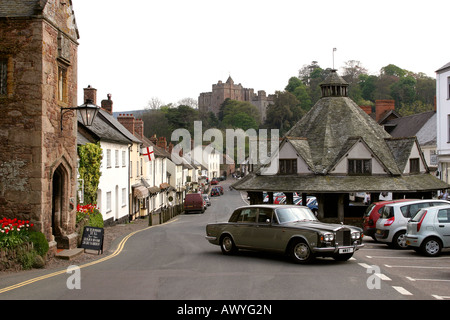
{"type": "Point", "coordinates": [38, 77]}
{"type": "Point", "coordinates": [211, 101]}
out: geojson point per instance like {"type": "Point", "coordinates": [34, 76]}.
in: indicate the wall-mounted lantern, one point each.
{"type": "Point", "coordinates": [88, 111]}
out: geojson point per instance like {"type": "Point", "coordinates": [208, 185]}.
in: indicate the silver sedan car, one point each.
{"type": "Point", "coordinates": [289, 229]}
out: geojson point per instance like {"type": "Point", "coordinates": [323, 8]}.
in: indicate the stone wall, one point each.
{"type": "Point", "coordinates": [32, 145]}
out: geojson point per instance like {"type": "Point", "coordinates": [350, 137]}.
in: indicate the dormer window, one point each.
{"type": "Point", "coordinates": [288, 166]}
{"type": "Point", "coordinates": [359, 166]}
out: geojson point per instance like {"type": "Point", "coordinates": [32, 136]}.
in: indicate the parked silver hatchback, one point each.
{"type": "Point", "coordinates": [391, 226]}
{"type": "Point", "coordinates": [429, 231]}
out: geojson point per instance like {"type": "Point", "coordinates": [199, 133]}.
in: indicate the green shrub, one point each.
{"type": "Point", "coordinates": [27, 258]}
{"type": "Point", "coordinates": [40, 243]}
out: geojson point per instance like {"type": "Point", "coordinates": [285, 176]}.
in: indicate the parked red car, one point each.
{"type": "Point", "coordinates": [373, 213]}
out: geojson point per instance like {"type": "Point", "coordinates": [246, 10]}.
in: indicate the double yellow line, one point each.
{"type": "Point", "coordinates": [57, 273]}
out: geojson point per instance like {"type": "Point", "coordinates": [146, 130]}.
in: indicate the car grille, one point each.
{"type": "Point", "coordinates": [343, 238]}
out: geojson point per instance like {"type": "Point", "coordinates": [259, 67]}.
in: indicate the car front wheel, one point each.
{"type": "Point", "coordinates": [300, 252]}
{"type": "Point", "coordinates": [227, 245]}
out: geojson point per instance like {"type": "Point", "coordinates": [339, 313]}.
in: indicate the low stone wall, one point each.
{"type": "Point", "coordinates": [10, 258]}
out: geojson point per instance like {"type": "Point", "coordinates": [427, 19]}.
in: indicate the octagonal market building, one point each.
{"type": "Point", "coordinates": [336, 150]}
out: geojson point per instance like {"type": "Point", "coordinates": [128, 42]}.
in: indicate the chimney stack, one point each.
{"type": "Point", "coordinates": [90, 94]}
{"type": "Point", "coordinates": [107, 105]}
{"type": "Point", "coordinates": [382, 107]}
{"type": "Point", "coordinates": [127, 120]}
{"type": "Point", "coordinates": [139, 128]}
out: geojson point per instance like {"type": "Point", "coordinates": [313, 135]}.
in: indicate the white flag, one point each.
{"type": "Point", "coordinates": [148, 153]}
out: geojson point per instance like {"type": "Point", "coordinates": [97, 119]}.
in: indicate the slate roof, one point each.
{"type": "Point", "coordinates": [107, 128]}
{"type": "Point", "coordinates": [330, 124]}
{"type": "Point", "coordinates": [443, 68]}
{"type": "Point", "coordinates": [339, 184]}
{"type": "Point", "coordinates": [422, 125]}
{"type": "Point", "coordinates": [324, 136]}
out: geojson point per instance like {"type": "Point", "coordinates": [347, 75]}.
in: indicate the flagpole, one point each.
{"type": "Point", "coordinates": [334, 49]}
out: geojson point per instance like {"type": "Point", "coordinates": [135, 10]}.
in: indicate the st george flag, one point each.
{"type": "Point", "coordinates": [148, 153]}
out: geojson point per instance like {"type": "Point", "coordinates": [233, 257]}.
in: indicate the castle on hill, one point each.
{"type": "Point", "coordinates": [211, 101]}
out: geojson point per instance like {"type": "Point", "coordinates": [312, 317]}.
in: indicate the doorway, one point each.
{"type": "Point", "coordinates": [59, 196]}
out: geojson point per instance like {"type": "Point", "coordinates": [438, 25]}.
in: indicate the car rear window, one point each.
{"type": "Point", "coordinates": [419, 215]}
{"type": "Point", "coordinates": [388, 212]}
{"type": "Point", "coordinates": [369, 210]}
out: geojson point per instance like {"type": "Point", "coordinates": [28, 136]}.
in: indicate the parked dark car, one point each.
{"type": "Point", "coordinates": [289, 229]}
{"type": "Point", "coordinates": [194, 202]}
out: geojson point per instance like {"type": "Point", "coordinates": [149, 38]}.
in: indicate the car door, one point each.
{"type": "Point", "coordinates": [243, 228]}
{"type": "Point", "coordinates": [443, 225]}
{"type": "Point", "coordinates": [265, 234]}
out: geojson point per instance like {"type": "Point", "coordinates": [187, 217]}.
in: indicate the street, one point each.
{"type": "Point", "coordinates": [174, 262]}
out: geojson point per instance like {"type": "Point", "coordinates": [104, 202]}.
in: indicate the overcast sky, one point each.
{"type": "Point", "coordinates": [175, 49]}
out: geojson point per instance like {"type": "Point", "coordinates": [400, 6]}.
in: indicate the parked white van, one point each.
{"type": "Point", "coordinates": [391, 226]}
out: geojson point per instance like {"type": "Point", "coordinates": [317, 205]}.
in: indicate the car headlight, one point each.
{"type": "Point", "coordinates": [328, 237]}
{"type": "Point", "coordinates": [355, 235]}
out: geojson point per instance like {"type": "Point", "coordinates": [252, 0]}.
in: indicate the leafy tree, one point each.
{"type": "Point", "coordinates": [393, 70]}
{"type": "Point", "coordinates": [239, 114]}
{"type": "Point", "coordinates": [414, 108]}
{"type": "Point", "coordinates": [284, 113]}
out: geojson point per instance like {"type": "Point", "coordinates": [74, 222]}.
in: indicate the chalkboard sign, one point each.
{"type": "Point", "coordinates": [92, 238]}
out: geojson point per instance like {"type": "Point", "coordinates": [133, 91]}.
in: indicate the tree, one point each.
{"type": "Point", "coordinates": [239, 114]}
{"type": "Point", "coordinates": [284, 113]}
{"type": "Point", "coordinates": [154, 103]}
{"type": "Point", "coordinates": [404, 90]}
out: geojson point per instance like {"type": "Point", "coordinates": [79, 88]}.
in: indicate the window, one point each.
{"type": "Point", "coordinates": [448, 128]}
{"type": "Point", "coordinates": [414, 165]}
{"type": "Point", "coordinates": [359, 166]}
{"type": "Point", "coordinates": [3, 77]}
{"type": "Point", "coordinates": [265, 215]}
{"type": "Point", "coordinates": [124, 197]}
{"type": "Point", "coordinates": [288, 166]}
{"type": "Point", "coordinates": [448, 88]}
{"type": "Point", "coordinates": [248, 215]}
{"type": "Point", "coordinates": [116, 155]}
{"type": "Point", "coordinates": [108, 158]}
{"type": "Point", "coordinates": [108, 201]}
{"type": "Point", "coordinates": [124, 155]}
{"type": "Point", "coordinates": [444, 216]}
{"type": "Point", "coordinates": [131, 169]}
{"type": "Point", "coordinates": [62, 84]}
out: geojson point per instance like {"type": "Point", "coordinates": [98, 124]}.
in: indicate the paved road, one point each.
{"type": "Point", "coordinates": [174, 261]}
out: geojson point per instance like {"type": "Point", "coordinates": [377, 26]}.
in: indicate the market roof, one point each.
{"type": "Point", "coordinates": [339, 184]}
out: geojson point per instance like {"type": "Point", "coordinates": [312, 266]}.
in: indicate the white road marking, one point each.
{"type": "Point", "coordinates": [403, 291]}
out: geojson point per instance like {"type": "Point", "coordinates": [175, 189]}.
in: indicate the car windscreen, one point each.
{"type": "Point", "coordinates": [295, 214]}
